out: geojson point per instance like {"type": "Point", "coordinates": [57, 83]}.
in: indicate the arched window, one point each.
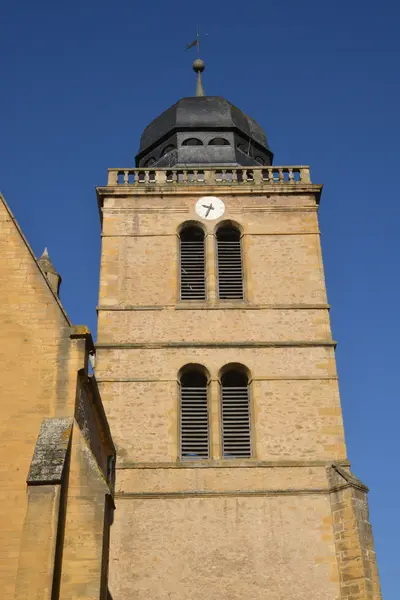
{"type": "Point", "coordinates": [167, 149]}
{"type": "Point", "coordinates": [192, 264]}
{"type": "Point", "coordinates": [218, 141]}
{"type": "Point", "coordinates": [194, 438]}
{"type": "Point", "coordinates": [192, 142]}
{"type": "Point", "coordinates": [149, 162]}
{"type": "Point", "coordinates": [229, 264]}
{"type": "Point", "coordinates": [235, 406]}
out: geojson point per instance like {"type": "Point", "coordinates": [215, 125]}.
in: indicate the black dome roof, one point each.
{"type": "Point", "coordinates": [203, 117]}
{"type": "Point", "coordinates": [199, 112]}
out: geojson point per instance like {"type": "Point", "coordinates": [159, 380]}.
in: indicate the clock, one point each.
{"type": "Point", "coordinates": [210, 207]}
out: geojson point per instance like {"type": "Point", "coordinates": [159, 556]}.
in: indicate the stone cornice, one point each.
{"type": "Point", "coordinates": [217, 306]}
{"type": "Point", "coordinates": [236, 344]}
{"type": "Point", "coordinates": [216, 493]}
{"type": "Point", "coordinates": [297, 189]}
{"type": "Point", "coordinates": [230, 464]}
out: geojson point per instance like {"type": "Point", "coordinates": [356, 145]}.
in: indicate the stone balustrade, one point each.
{"type": "Point", "coordinates": [210, 176]}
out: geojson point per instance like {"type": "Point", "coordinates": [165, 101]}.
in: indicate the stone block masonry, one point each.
{"type": "Point", "coordinates": [259, 527]}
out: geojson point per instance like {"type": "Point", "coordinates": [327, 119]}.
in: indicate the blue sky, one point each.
{"type": "Point", "coordinates": [80, 80]}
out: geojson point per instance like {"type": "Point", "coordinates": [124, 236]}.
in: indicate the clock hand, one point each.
{"type": "Point", "coordinates": [209, 208]}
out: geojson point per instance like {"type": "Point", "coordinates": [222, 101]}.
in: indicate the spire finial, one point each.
{"type": "Point", "coordinates": [49, 271]}
{"type": "Point", "coordinates": [198, 67]}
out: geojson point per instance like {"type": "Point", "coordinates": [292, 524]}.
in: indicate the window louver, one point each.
{"type": "Point", "coordinates": [236, 434]}
{"type": "Point", "coordinates": [193, 280]}
{"type": "Point", "coordinates": [194, 416]}
{"type": "Point", "coordinates": [230, 270]}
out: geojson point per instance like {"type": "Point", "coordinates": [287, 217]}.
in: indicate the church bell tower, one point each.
{"type": "Point", "coordinates": [217, 371]}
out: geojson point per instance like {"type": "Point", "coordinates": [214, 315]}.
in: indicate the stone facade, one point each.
{"type": "Point", "coordinates": [266, 527]}
{"type": "Point", "coordinates": [290, 522]}
{"type": "Point", "coordinates": [56, 467]}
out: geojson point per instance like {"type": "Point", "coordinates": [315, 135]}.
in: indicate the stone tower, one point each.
{"type": "Point", "coordinates": [217, 370]}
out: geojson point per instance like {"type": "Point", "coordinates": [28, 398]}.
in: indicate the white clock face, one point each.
{"type": "Point", "coordinates": [210, 207]}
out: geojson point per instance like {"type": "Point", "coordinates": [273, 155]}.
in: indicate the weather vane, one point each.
{"type": "Point", "coordinates": [195, 42]}
{"type": "Point", "coordinates": [198, 65]}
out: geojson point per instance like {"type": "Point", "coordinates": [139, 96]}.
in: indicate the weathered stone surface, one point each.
{"type": "Point", "coordinates": [50, 451]}
{"type": "Point", "coordinates": [40, 357]}
{"type": "Point", "coordinates": [233, 529]}
{"type": "Point", "coordinates": [357, 566]}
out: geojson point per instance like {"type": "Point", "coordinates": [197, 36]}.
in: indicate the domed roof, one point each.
{"type": "Point", "coordinates": [203, 130]}
{"type": "Point", "coordinates": [198, 113]}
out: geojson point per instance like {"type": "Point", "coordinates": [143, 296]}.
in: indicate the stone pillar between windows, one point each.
{"type": "Point", "coordinates": [211, 268]}
{"type": "Point", "coordinates": [215, 420]}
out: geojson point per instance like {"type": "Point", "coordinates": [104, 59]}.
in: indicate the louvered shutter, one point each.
{"type": "Point", "coordinates": [194, 424]}
{"type": "Point", "coordinates": [229, 260]}
{"type": "Point", "coordinates": [192, 267]}
{"type": "Point", "coordinates": [236, 432]}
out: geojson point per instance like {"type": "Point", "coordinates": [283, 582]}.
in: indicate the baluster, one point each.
{"type": "Point", "coordinates": [185, 176]}
{"type": "Point", "coordinates": [174, 176]}
{"type": "Point", "coordinates": [234, 176]}
{"type": "Point", "coordinates": [223, 175]}
{"type": "Point", "coordinates": [281, 175]}
{"type": "Point", "coordinates": [195, 177]}
{"type": "Point", "coordinates": [146, 177]}
{"type": "Point", "coordinates": [244, 175]}
{"type": "Point", "coordinates": [209, 176]}
{"type": "Point", "coordinates": [270, 175]}
{"type": "Point", "coordinates": [291, 176]}
{"type": "Point", "coordinates": [126, 176]}
{"type": "Point", "coordinates": [258, 176]}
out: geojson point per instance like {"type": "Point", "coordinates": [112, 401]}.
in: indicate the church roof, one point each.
{"type": "Point", "coordinates": [201, 112]}
{"type": "Point", "coordinates": [203, 130]}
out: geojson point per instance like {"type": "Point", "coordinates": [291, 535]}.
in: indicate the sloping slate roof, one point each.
{"type": "Point", "coordinates": [198, 113]}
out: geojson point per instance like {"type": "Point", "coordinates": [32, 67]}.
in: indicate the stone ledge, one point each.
{"type": "Point", "coordinates": [215, 493]}
{"type": "Point", "coordinates": [192, 190]}
{"type": "Point", "coordinates": [50, 452]}
{"type": "Point", "coordinates": [215, 379]}
{"type": "Point", "coordinates": [82, 332]}
{"type": "Point", "coordinates": [236, 344]}
{"type": "Point", "coordinates": [241, 305]}
{"type": "Point", "coordinates": [233, 464]}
